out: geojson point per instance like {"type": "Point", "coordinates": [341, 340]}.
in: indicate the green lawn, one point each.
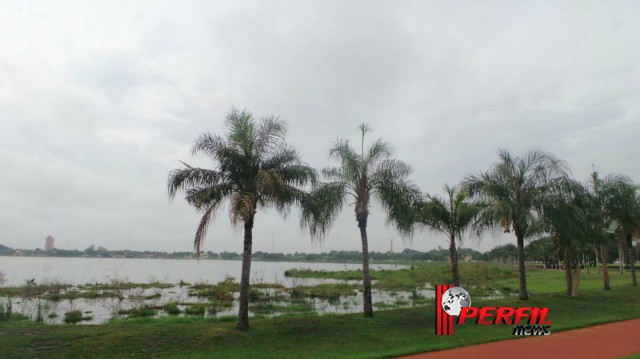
{"type": "Point", "coordinates": [552, 280]}
{"type": "Point", "coordinates": [388, 333]}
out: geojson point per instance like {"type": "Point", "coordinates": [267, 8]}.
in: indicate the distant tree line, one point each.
{"type": "Point", "coordinates": [331, 256]}
{"type": "Point", "coordinates": [543, 251]}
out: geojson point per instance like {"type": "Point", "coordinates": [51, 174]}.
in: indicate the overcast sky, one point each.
{"type": "Point", "coordinates": [100, 100]}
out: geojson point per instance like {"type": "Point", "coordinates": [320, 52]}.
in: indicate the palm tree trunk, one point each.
{"type": "Point", "coordinates": [567, 270]}
{"type": "Point", "coordinates": [454, 261]}
{"type": "Point", "coordinates": [576, 282]}
{"type": "Point", "coordinates": [366, 278]}
{"type": "Point", "coordinates": [621, 255]}
{"type": "Point", "coordinates": [632, 259]}
{"type": "Point", "coordinates": [523, 295]}
{"type": "Point", "coordinates": [595, 249]}
{"type": "Point", "coordinates": [243, 312]}
{"type": "Point", "coordinates": [605, 266]}
{"type": "Point", "coordinates": [586, 263]}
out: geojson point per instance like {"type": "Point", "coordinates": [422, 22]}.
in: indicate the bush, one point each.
{"type": "Point", "coordinates": [172, 308]}
{"type": "Point", "coordinates": [196, 309]}
{"type": "Point", "coordinates": [75, 316]}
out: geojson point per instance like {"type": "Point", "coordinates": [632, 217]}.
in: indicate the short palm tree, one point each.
{"type": "Point", "coordinates": [567, 215]}
{"type": "Point", "coordinates": [357, 177]}
{"type": "Point", "coordinates": [624, 208]}
{"type": "Point", "coordinates": [254, 167]}
{"type": "Point", "coordinates": [607, 195]}
{"type": "Point", "coordinates": [512, 189]}
{"type": "Point", "coordinates": [452, 217]}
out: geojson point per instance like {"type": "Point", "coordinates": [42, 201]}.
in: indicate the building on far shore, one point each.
{"type": "Point", "coordinates": [49, 243]}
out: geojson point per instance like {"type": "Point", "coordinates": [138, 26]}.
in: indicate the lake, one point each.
{"type": "Point", "coordinates": [91, 270]}
{"type": "Point", "coordinates": [178, 287]}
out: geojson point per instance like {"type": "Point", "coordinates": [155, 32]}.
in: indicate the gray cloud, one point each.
{"type": "Point", "coordinates": [98, 102]}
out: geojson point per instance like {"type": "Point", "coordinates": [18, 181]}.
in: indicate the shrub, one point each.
{"type": "Point", "coordinates": [75, 316]}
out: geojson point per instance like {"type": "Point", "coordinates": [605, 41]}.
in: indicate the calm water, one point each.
{"type": "Point", "coordinates": [91, 270]}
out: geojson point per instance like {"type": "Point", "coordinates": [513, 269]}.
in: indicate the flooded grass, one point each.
{"type": "Point", "coordinates": [329, 291]}
{"type": "Point", "coordinates": [302, 291]}
{"type": "Point", "coordinates": [289, 307]}
{"type": "Point", "coordinates": [208, 300]}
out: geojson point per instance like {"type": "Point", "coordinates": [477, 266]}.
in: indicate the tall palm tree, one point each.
{"type": "Point", "coordinates": [253, 167]}
{"type": "Point", "coordinates": [452, 217]}
{"type": "Point", "coordinates": [357, 177]}
{"type": "Point", "coordinates": [512, 188]}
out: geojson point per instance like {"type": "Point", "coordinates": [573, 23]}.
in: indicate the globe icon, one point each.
{"type": "Point", "coordinates": [455, 299]}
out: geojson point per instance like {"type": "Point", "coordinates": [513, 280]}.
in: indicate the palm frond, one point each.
{"type": "Point", "coordinates": [285, 169]}
{"type": "Point", "coordinates": [243, 207]}
{"type": "Point", "coordinates": [299, 175]}
{"type": "Point", "coordinates": [454, 216]}
{"type": "Point", "coordinates": [203, 197]}
{"type": "Point", "coordinates": [434, 215]}
{"type": "Point", "coordinates": [209, 144]}
{"type": "Point", "coordinates": [378, 151]}
{"type": "Point", "coordinates": [281, 156]}
{"type": "Point", "coordinates": [399, 198]}
{"type": "Point", "coordinates": [389, 168]}
{"type": "Point", "coordinates": [321, 207]}
{"type": "Point", "coordinates": [202, 229]}
{"type": "Point", "coordinates": [241, 131]}
{"type": "Point", "coordinates": [350, 162]}
{"type": "Point", "coordinates": [270, 135]}
{"type": "Point", "coordinates": [191, 177]}
{"type": "Point", "coordinates": [269, 183]}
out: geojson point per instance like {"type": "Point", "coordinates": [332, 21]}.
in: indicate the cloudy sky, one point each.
{"type": "Point", "coordinates": [100, 100]}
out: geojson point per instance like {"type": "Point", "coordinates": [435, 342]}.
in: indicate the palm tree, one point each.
{"type": "Point", "coordinates": [254, 167]}
{"type": "Point", "coordinates": [567, 210]}
{"type": "Point", "coordinates": [359, 176]}
{"type": "Point", "coordinates": [452, 217]}
{"type": "Point", "coordinates": [512, 188]}
{"type": "Point", "coordinates": [607, 197]}
{"type": "Point", "coordinates": [625, 211]}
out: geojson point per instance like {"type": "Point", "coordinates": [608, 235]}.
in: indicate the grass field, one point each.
{"type": "Point", "coordinates": [388, 333]}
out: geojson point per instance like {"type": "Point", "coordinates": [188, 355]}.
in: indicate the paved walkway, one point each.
{"type": "Point", "coordinates": [611, 340]}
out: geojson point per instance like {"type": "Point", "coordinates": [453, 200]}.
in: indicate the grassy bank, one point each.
{"type": "Point", "coordinates": [477, 278]}
{"type": "Point", "coordinates": [472, 274]}
{"type": "Point", "coordinates": [389, 333]}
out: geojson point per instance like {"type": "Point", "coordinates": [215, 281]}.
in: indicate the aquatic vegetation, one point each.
{"type": "Point", "coordinates": [172, 308]}
{"type": "Point", "coordinates": [75, 316]}
{"type": "Point", "coordinates": [144, 311]}
{"type": "Point", "coordinates": [101, 302]}
{"type": "Point", "coordinates": [330, 292]}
